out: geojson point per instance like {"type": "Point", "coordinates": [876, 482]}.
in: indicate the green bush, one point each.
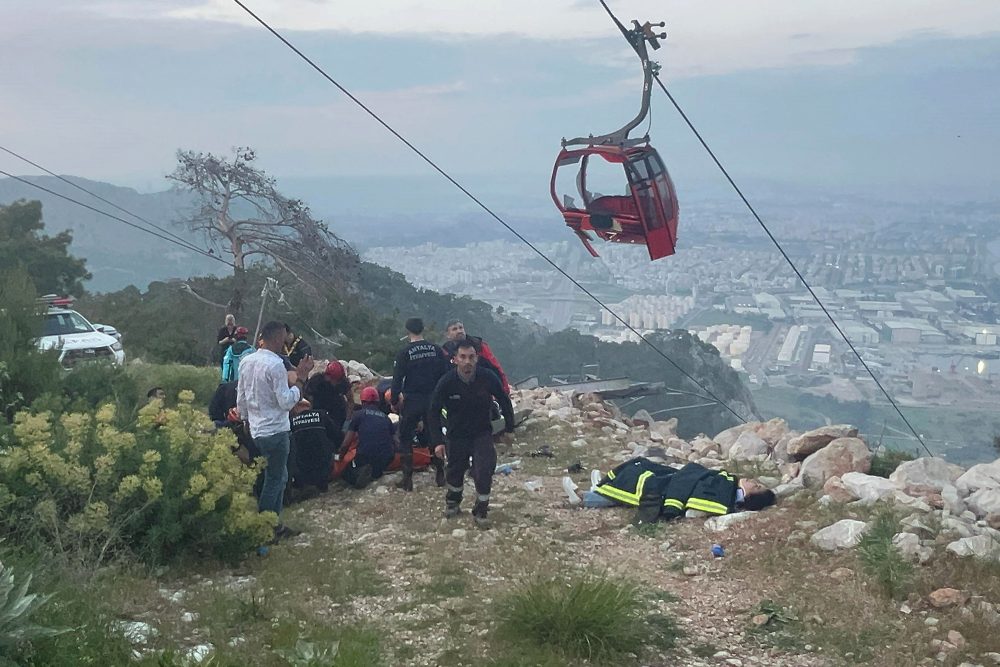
{"type": "Point", "coordinates": [881, 559]}
{"type": "Point", "coordinates": [25, 372]}
{"type": "Point", "coordinates": [16, 608]}
{"type": "Point", "coordinates": [167, 486]}
{"type": "Point", "coordinates": [174, 378]}
{"type": "Point", "coordinates": [586, 616]}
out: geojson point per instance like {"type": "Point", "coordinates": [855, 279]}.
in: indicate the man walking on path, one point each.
{"type": "Point", "coordinates": [416, 372]}
{"type": "Point", "coordinates": [455, 332]}
{"type": "Point", "coordinates": [467, 393]}
{"type": "Point", "coordinates": [264, 398]}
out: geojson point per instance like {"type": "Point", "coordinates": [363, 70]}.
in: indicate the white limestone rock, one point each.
{"type": "Point", "coordinates": [845, 534]}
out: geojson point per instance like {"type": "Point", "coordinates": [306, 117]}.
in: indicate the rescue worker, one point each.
{"type": "Point", "coordinates": [455, 333]}
{"type": "Point", "coordinates": [467, 392]}
{"type": "Point", "coordinates": [296, 348]}
{"type": "Point", "coordinates": [416, 372]}
{"type": "Point", "coordinates": [315, 437]}
{"type": "Point", "coordinates": [662, 492]}
{"type": "Point", "coordinates": [374, 436]}
{"type": "Point", "coordinates": [330, 391]}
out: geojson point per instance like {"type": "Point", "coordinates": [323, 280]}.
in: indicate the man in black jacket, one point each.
{"type": "Point", "coordinates": [467, 393]}
{"type": "Point", "coordinates": [416, 372]}
{"type": "Point", "coordinates": [296, 348]}
{"type": "Point", "coordinates": [315, 438]}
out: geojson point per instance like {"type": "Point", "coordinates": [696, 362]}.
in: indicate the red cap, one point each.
{"type": "Point", "coordinates": [335, 370]}
{"type": "Point", "coordinates": [242, 331]}
{"type": "Point", "coordinates": [369, 395]}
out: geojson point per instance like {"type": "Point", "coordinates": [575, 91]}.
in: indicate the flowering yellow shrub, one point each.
{"type": "Point", "coordinates": [167, 486]}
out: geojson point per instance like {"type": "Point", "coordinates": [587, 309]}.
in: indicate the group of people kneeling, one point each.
{"type": "Point", "coordinates": [439, 410]}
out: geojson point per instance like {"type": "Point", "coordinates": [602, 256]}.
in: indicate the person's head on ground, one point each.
{"type": "Point", "coordinates": [414, 327]}
{"type": "Point", "coordinates": [756, 496]}
{"type": "Point", "coordinates": [369, 396]}
{"type": "Point", "coordinates": [230, 320]}
{"type": "Point", "coordinates": [465, 359]}
{"type": "Point", "coordinates": [156, 394]}
{"type": "Point", "coordinates": [272, 336]}
{"type": "Point", "coordinates": [455, 330]}
{"type": "Point", "coordinates": [289, 334]}
{"type": "Point", "coordinates": [334, 372]}
{"type": "Point", "coordinates": [241, 333]}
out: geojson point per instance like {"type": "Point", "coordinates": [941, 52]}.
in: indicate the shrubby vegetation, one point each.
{"type": "Point", "coordinates": [165, 488]}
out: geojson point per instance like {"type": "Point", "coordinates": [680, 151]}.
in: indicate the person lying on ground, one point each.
{"type": "Point", "coordinates": [375, 439]}
{"type": "Point", "coordinates": [663, 492]}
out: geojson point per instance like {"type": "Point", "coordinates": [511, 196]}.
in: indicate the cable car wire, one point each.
{"type": "Point", "coordinates": [114, 217]}
{"type": "Point", "coordinates": [65, 180]}
{"type": "Point", "coordinates": [788, 259]}
{"type": "Point", "coordinates": [487, 209]}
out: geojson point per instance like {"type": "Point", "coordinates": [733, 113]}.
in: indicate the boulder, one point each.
{"type": "Point", "coordinates": [835, 489]}
{"type": "Point", "coordinates": [772, 431]}
{"type": "Point", "coordinates": [726, 439]}
{"type": "Point", "coordinates": [980, 546]}
{"type": "Point", "coordinates": [703, 447]}
{"type": "Point", "coordinates": [724, 521]}
{"type": "Point", "coordinates": [642, 418]}
{"type": "Point", "coordinates": [925, 475]}
{"type": "Point", "coordinates": [844, 534]}
{"type": "Point", "coordinates": [813, 441]}
{"type": "Point", "coordinates": [780, 452]}
{"type": "Point", "coordinates": [951, 499]}
{"type": "Point", "coordinates": [840, 456]}
{"type": "Point", "coordinates": [747, 446]}
{"type": "Point", "coordinates": [868, 488]}
{"type": "Point", "coordinates": [979, 476]}
{"type": "Point", "coordinates": [667, 429]}
{"type": "Point", "coordinates": [909, 545]}
{"type": "Point", "coordinates": [947, 597]}
{"type": "Point", "coordinates": [984, 501]}
{"type": "Point", "coordinates": [788, 489]}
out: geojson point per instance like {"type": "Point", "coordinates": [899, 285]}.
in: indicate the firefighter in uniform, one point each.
{"type": "Point", "coordinates": [663, 492]}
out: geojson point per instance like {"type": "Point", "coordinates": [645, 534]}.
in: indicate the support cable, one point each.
{"type": "Point", "coordinates": [484, 207]}
{"type": "Point", "coordinates": [788, 259]}
{"type": "Point", "coordinates": [115, 217]}
{"type": "Point", "coordinates": [65, 180]}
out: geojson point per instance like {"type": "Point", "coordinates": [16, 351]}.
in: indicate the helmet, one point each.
{"type": "Point", "coordinates": [369, 395]}
{"type": "Point", "coordinates": [335, 370]}
{"type": "Point", "coordinates": [241, 332]}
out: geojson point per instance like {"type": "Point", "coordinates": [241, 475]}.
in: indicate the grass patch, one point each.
{"type": "Point", "coordinates": [885, 462]}
{"type": "Point", "coordinates": [588, 616]}
{"type": "Point", "coordinates": [881, 559]}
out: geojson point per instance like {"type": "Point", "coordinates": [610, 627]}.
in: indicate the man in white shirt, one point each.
{"type": "Point", "coordinates": [264, 398]}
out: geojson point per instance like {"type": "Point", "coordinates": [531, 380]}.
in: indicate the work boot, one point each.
{"type": "Point", "coordinates": [451, 510]}
{"type": "Point", "coordinates": [406, 461]}
{"type": "Point", "coordinates": [438, 470]}
{"type": "Point", "coordinates": [452, 501]}
{"type": "Point", "coordinates": [479, 512]}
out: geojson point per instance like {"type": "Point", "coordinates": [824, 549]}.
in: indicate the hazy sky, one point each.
{"type": "Point", "coordinates": [901, 95]}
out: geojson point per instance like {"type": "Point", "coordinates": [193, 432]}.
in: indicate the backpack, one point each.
{"type": "Point", "coordinates": [231, 364]}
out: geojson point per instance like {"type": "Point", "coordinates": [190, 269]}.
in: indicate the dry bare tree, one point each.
{"type": "Point", "coordinates": [241, 212]}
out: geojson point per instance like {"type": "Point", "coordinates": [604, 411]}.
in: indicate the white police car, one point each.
{"type": "Point", "coordinates": [77, 340]}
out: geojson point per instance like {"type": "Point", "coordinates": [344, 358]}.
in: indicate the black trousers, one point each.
{"type": "Point", "coordinates": [482, 452]}
{"type": "Point", "coordinates": [378, 465]}
{"type": "Point", "coordinates": [414, 412]}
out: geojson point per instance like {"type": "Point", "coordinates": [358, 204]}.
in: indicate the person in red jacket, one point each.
{"type": "Point", "coordinates": [455, 332]}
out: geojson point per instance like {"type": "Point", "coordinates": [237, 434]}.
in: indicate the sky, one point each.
{"type": "Point", "coordinates": [896, 97]}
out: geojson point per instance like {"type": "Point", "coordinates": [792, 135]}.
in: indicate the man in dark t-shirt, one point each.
{"type": "Point", "coordinates": [314, 439]}
{"type": "Point", "coordinates": [376, 440]}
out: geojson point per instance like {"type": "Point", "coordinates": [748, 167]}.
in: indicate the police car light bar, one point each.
{"type": "Point", "coordinates": [54, 300]}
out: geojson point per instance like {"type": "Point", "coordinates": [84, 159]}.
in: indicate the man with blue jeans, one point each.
{"type": "Point", "coordinates": [264, 398]}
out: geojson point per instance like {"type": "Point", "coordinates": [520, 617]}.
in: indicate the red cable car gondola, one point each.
{"type": "Point", "coordinates": [647, 214]}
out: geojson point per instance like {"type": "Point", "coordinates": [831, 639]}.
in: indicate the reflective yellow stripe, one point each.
{"type": "Point", "coordinates": [670, 502]}
{"type": "Point", "coordinates": [726, 475]}
{"type": "Point", "coordinates": [611, 474]}
{"type": "Point", "coordinates": [625, 496]}
{"type": "Point", "coordinates": [707, 506]}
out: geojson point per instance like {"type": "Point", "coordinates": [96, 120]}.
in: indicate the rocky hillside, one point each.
{"type": "Point", "coordinates": [797, 585]}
